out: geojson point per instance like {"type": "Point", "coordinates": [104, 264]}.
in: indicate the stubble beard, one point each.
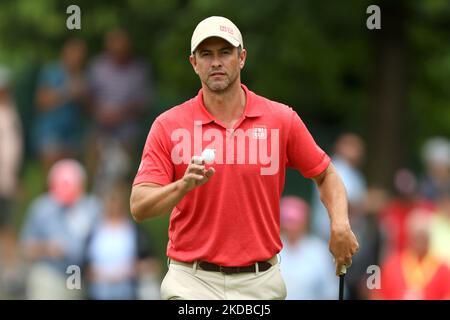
{"type": "Point", "coordinates": [221, 86]}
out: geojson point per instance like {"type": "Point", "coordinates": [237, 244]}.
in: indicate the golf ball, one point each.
{"type": "Point", "coordinates": [208, 155]}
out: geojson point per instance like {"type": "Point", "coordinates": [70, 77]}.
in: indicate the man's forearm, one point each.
{"type": "Point", "coordinates": [334, 196]}
{"type": "Point", "coordinates": [150, 201]}
{"type": "Point", "coordinates": [343, 243]}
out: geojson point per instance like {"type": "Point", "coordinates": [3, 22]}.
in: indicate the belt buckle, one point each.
{"type": "Point", "coordinates": [228, 270]}
{"type": "Point", "coordinates": [223, 270]}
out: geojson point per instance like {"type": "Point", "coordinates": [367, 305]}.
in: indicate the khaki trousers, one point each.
{"type": "Point", "coordinates": [184, 281]}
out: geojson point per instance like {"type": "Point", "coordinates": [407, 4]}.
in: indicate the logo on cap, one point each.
{"type": "Point", "coordinates": [226, 29]}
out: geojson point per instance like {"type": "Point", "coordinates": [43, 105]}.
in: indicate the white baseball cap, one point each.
{"type": "Point", "coordinates": [216, 27]}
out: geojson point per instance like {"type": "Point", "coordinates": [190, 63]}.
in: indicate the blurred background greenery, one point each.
{"type": "Point", "coordinates": [391, 86]}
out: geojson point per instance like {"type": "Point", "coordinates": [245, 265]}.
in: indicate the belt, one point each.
{"type": "Point", "coordinates": [208, 266]}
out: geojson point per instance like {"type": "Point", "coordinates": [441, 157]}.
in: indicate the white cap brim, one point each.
{"type": "Point", "coordinates": [234, 42]}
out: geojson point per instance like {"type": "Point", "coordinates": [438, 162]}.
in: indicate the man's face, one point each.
{"type": "Point", "coordinates": [217, 63]}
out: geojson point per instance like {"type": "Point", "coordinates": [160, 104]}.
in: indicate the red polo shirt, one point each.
{"type": "Point", "coordinates": [233, 219]}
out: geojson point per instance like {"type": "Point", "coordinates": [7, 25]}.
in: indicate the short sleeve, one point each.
{"type": "Point", "coordinates": [156, 165]}
{"type": "Point", "coordinates": [303, 153]}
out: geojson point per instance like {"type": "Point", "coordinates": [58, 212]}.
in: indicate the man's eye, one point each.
{"type": "Point", "coordinates": [204, 54]}
{"type": "Point", "coordinates": [226, 52]}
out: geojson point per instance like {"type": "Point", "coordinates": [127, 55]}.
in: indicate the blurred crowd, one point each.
{"type": "Point", "coordinates": [404, 235]}
{"type": "Point", "coordinates": [85, 136]}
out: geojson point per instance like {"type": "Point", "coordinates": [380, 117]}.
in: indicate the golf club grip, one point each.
{"type": "Point", "coordinates": [343, 270]}
{"type": "Point", "coordinates": [342, 273]}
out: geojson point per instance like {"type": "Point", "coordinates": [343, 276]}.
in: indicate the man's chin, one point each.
{"type": "Point", "coordinates": [218, 86]}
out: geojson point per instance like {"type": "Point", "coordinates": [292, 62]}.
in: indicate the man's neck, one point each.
{"type": "Point", "coordinates": [226, 106]}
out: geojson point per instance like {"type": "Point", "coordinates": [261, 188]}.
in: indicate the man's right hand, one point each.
{"type": "Point", "coordinates": [150, 200]}
{"type": "Point", "coordinates": [195, 174]}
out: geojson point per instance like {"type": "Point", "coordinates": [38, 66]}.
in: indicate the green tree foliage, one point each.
{"type": "Point", "coordinates": [314, 55]}
{"type": "Point", "coordinates": [317, 56]}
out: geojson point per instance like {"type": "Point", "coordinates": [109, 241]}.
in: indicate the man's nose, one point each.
{"type": "Point", "coordinates": [216, 63]}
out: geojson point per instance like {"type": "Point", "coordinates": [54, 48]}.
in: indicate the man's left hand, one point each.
{"type": "Point", "coordinates": [343, 245]}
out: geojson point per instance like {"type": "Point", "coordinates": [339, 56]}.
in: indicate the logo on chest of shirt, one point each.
{"type": "Point", "coordinates": [259, 132]}
{"type": "Point", "coordinates": [255, 146]}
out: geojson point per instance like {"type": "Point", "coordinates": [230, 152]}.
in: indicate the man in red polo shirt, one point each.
{"type": "Point", "coordinates": [224, 232]}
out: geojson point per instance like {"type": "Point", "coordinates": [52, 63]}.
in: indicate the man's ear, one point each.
{"type": "Point", "coordinates": [242, 58]}
{"type": "Point", "coordinates": [193, 62]}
